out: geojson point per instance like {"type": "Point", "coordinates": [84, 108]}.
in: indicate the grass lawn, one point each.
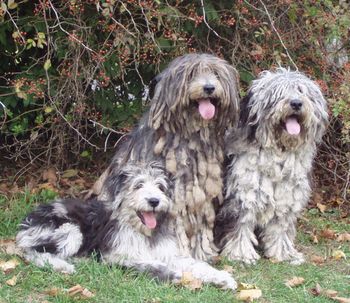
{"type": "Point", "coordinates": [112, 284]}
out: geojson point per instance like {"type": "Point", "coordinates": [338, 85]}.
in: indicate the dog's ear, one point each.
{"type": "Point", "coordinates": [116, 182]}
{"type": "Point", "coordinates": [246, 119]}
{"type": "Point", "coordinates": [152, 86]}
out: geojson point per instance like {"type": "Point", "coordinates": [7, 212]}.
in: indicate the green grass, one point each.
{"type": "Point", "coordinates": [112, 284]}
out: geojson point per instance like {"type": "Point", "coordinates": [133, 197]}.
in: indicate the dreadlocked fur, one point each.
{"type": "Point", "coordinates": [193, 102]}
{"type": "Point", "coordinates": [282, 119]}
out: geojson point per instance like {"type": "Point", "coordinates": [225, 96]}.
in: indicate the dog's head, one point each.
{"type": "Point", "coordinates": [141, 196]}
{"type": "Point", "coordinates": [196, 88]}
{"type": "Point", "coordinates": [284, 108]}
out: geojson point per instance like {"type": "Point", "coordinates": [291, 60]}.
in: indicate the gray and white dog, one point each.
{"type": "Point", "coordinates": [193, 102]}
{"type": "Point", "coordinates": [135, 229]}
{"type": "Point", "coordinates": [282, 119]}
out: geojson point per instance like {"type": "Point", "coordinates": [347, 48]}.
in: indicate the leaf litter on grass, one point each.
{"type": "Point", "coordinates": [328, 293]}
{"type": "Point", "coordinates": [295, 281]}
{"type": "Point", "coordinates": [248, 292]}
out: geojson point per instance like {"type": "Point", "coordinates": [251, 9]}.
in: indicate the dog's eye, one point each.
{"type": "Point", "coordinates": [161, 187]}
{"type": "Point", "coordinates": [138, 185]}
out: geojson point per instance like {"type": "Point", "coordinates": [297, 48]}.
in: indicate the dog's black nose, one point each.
{"type": "Point", "coordinates": [208, 88]}
{"type": "Point", "coordinates": [153, 202]}
{"type": "Point", "coordinates": [296, 104]}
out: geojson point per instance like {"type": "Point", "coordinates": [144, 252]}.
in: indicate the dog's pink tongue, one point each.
{"type": "Point", "coordinates": [292, 126]}
{"type": "Point", "coordinates": [150, 219]}
{"type": "Point", "coordinates": [206, 109]}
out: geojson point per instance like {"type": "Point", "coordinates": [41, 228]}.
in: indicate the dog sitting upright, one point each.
{"type": "Point", "coordinates": [134, 230]}
{"type": "Point", "coordinates": [282, 119]}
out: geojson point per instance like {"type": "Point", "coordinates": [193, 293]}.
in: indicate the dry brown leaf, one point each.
{"type": "Point", "coordinates": [341, 299]}
{"type": "Point", "coordinates": [12, 281]}
{"type": "Point", "coordinates": [317, 290]}
{"type": "Point", "coordinates": [330, 293]}
{"type": "Point", "coordinates": [53, 292]}
{"type": "Point", "coordinates": [190, 282]}
{"type": "Point", "coordinates": [295, 281]}
{"type": "Point", "coordinates": [338, 255]}
{"type": "Point", "coordinates": [317, 259]}
{"type": "Point", "coordinates": [314, 239]}
{"type": "Point", "coordinates": [321, 207]}
{"type": "Point", "coordinates": [8, 246]}
{"type": "Point", "coordinates": [49, 175]}
{"type": "Point", "coordinates": [228, 268]}
{"type": "Point", "coordinates": [328, 233]}
{"type": "Point", "coordinates": [343, 237]}
{"type": "Point", "coordinates": [8, 266]}
{"type": "Point", "coordinates": [81, 291]}
{"type": "Point", "coordinates": [248, 295]}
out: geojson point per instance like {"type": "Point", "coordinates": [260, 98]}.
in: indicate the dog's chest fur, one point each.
{"type": "Point", "coordinates": [274, 184]}
{"type": "Point", "coordinates": [129, 244]}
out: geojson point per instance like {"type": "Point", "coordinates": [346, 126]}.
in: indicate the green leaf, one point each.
{"type": "Point", "coordinates": [246, 76]}
{"type": "Point", "coordinates": [47, 64]}
{"type": "Point", "coordinates": [11, 4]}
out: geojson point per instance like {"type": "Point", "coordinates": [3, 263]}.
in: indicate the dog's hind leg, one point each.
{"type": "Point", "coordinates": [51, 246]}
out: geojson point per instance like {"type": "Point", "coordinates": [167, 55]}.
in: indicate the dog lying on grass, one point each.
{"type": "Point", "coordinates": [135, 229]}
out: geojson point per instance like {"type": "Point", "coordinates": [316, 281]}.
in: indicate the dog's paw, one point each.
{"type": "Point", "coordinates": [297, 259]}
{"type": "Point", "coordinates": [241, 251]}
{"type": "Point", "coordinates": [64, 267]}
{"type": "Point", "coordinates": [226, 281]}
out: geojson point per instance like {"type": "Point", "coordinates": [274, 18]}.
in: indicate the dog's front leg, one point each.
{"type": "Point", "coordinates": [156, 269]}
{"type": "Point", "coordinates": [203, 271]}
{"type": "Point", "coordinates": [241, 240]}
{"type": "Point", "coordinates": [278, 238]}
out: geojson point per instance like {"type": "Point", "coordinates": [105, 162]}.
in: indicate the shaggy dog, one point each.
{"type": "Point", "coordinates": [193, 101]}
{"type": "Point", "coordinates": [134, 229]}
{"type": "Point", "coordinates": [283, 117]}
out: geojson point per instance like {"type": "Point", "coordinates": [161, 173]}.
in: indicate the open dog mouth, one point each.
{"type": "Point", "coordinates": [207, 107]}
{"type": "Point", "coordinates": [148, 218]}
{"type": "Point", "coordinates": [292, 125]}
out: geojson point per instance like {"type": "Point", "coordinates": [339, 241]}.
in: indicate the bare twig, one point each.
{"type": "Point", "coordinates": [66, 32]}
{"type": "Point", "coordinates": [278, 34]}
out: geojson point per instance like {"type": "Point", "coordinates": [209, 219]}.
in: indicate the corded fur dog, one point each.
{"type": "Point", "coordinates": [282, 119]}
{"type": "Point", "coordinates": [134, 229]}
{"type": "Point", "coordinates": [193, 102]}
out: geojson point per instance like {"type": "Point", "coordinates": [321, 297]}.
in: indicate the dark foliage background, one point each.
{"type": "Point", "coordinates": [74, 73]}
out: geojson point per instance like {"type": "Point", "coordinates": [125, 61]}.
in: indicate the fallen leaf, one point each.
{"type": "Point", "coordinates": [343, 237]}
{"type": "Point", "coordinates": [69, 173]}
{"type": "Point", "coordinates": [317, 259]}
{"type": "Point", "coordinates": [245, 286]}
{"type": "Point", "coordinates": [190, 282]}
{"type": "Point", "coordinates": [248, 295]}
{"type": "Point", "coordinates": [328, 233]}
{"type": "Point", "coordinates": [338, 255]}
{"type": "Point", "coordinates": [12, 281]}
{"type": "Point", "coordinates": [341, 299]}
{"type": "Point", "coordinates": [8, 246]}
{"type": "Point", "coordinates": [8, 266]}
{"type": "Point", "coordinates": [295, 281]}
{"type": "Point", "coordinates": [321, 207]}
{"type": "Point", "coordinates": [314, 239]}
{"type": "Point", "coordinates": [330, 293]}
{"type": "Point", "coordinates": [49, 175]}
{"type": "Point", "coordinates": [228, 268]}
{"type": "Point", "coordinates": [317, 290]}
{"type": "Point", "coordinates": [78, 290]}
{"type": "Point", "coordinates": [54, 291]}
